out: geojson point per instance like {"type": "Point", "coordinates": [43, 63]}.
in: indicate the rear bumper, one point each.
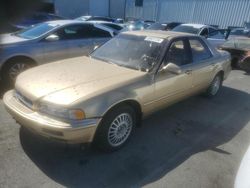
{"type": "Point", "coordinates": [45, 126]}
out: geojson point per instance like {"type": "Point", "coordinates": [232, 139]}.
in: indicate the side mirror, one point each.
{"type": "Point", "coordinates": [52, 37]}
{"type": "Point", "coordinates": [173, 68]}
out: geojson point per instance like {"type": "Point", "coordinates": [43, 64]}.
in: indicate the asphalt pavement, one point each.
{"type": "Point", "coordinates": [197, 143]}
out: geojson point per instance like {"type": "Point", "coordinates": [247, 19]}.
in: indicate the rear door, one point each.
{"type": "Point", "coordinates": [203, 63]}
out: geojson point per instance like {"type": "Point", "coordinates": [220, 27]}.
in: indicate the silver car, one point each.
{"type": "Point", "coordinates": [46, 42]}
{"type": "Point", "coordinates": [215, 36]}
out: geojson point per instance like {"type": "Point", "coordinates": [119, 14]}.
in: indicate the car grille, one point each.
{"type": "Point", "coordinates": [23, 100]}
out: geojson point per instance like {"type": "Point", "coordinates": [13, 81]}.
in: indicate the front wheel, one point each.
{"type": "Point", "coordinates": [215, 86]}
{"type": "Point", "coordinates": [115, 128]}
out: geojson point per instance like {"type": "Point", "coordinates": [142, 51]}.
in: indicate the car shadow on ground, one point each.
{"type": "Point", "coordinates": [165, 140]}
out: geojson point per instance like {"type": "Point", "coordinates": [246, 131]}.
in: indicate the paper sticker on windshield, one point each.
{"type": "Point", "coordinates": [154, 39]}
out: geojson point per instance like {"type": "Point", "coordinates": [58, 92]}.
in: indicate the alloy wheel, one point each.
{"type": "Point", "coordinates": [120, 129]}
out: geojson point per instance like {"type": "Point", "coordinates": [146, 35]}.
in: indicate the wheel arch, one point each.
{"type": "Point", "coordinates": [221, 72]}
{"type": "Point", "coordinates": [130, 102]}
{"type": "Point", "coordinates": [13, 58]}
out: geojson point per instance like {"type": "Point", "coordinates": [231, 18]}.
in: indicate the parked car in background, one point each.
{"type": "Point", "coordinates": [163, 26]}
{"type": "Point", "coordinates": [102, 98]}
{"type": "Point", "coordinates": [239, 48]}
{"type": "Point", "coordinates": [149, 22]}
{"type": "Point", "coordinates": [35, 18]}
{"type": "Point", "coordinates": [135, 25]}
{"type": "Point", "coordinates": [48, 42]}
{"type": "Point", "coordinates": [215, 36]}
{"type": "Point", "coordinates": [114, 26]}
{"type": "Point", "coordinates": [240, 32]}
{"type": "Point", "coordinates": [99, 18]}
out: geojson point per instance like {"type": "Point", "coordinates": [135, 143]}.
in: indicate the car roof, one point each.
{"type": "Point", "coordinates": [158, 33]}
{"type": "Point", "coordinates": [198, 26]}
{"type": "Point", "coordinates": [64, 22]}
{"type": "Point", "coordinates": [101, 22]}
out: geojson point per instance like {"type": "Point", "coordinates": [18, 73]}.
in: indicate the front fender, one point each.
{"type": "Point", "coordinates": [140, 91]}
{"type": "Point", "coordinates": [98, 106]}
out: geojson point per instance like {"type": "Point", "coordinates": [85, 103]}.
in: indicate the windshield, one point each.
{"type": "Point", "coordinates": [36, 30]}
{"type": "Point", "coordinates": [186, 29]}
{"type": "Point", "coordinates": [135, 52]}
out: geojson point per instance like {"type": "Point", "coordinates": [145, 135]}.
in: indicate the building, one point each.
{"type": "Point", "coordinates": [76, 8]}
{"type": "Point", "coordinates": [215, 12]}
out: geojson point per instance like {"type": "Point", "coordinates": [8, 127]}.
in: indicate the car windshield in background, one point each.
{"type": "Point", "coordinates": [186, 29]}
{"type": "Point", "coordinates": [157, 26]}
{"type": "Point", "coordinates": [238, 43]}
{"type": "Point", "coordinates": [135, 52]}
{"type": "Point", "coordinates": [36, 31]}
{"type": "Point", "coordinates": [133, 26]}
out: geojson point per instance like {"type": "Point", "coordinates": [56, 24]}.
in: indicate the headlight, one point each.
{"type": "Point", "coordinates": [61, 112]}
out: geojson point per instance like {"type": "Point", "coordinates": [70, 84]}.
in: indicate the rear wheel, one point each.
{"type": "Point", "coordinates": [115, 128]}
{"type": "Point", "coordinates": [215, 86]}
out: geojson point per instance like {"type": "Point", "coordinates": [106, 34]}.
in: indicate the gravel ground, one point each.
{"type": "Point", "coordinates": [196, 143]}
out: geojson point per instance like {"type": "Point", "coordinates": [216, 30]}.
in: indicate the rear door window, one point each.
{"type": "Point", "coordinates": [99, 33]}
{"type": "Point", "coordinates": [200, 51]}
{"type": "Point", "coordinates": [72, 32]}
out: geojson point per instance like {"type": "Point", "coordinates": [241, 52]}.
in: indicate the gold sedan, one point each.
{"type": "Point", "coordinates": [103, 97]}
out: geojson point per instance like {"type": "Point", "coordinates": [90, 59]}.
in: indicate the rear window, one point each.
{"type": "Point", "coordinates": [186, 29]}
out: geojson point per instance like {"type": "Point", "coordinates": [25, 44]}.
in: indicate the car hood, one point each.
{"type": "Point", "coordinates": [11, 39]}
{"type": "Point", "coordinates": [66, 81]}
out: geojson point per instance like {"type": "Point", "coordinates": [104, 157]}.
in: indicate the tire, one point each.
{"type": "Point", "coordinates": [13, 68]}
{"type": "Point", "coordinates": [115, 128]}
{"type": "Point", "coordinates": [215, 86]}
{"type": "Point", "coordinates": [245, 65]}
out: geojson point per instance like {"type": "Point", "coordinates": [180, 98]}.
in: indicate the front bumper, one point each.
{"type": "Point", "coordinates": [83, 132]}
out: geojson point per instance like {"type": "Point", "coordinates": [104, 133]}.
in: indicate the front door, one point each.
{"type": "Point", "coordinates": [170, 87]}
{"type": "Point", "coordinates": [54, 50]}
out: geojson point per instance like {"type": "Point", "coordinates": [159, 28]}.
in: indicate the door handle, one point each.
{"type": "Point", "coordinates": [188, 72]}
